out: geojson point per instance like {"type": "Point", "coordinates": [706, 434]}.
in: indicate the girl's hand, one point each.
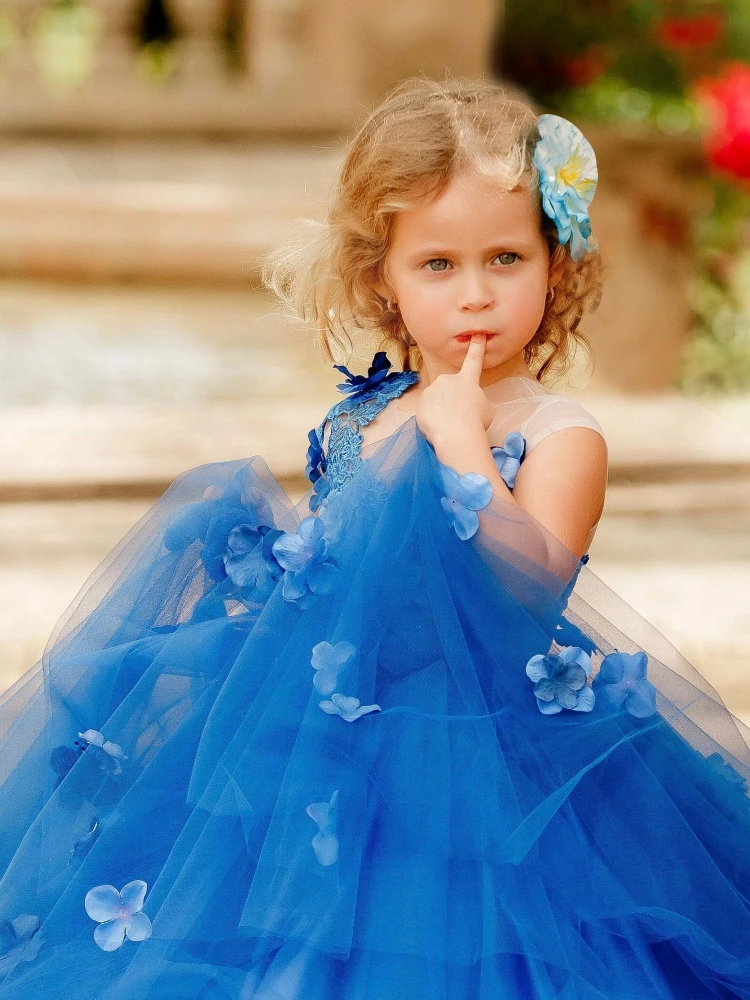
{"type": "Point", "coordinates": [454, 406]}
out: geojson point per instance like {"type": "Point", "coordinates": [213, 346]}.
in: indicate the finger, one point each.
{"type": "Point", "coordinates": [472, 365]}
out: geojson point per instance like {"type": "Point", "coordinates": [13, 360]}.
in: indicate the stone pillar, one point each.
{"type": "Point", "coordinates": [199, 23]}
{"type": "Point", "coordinates": [116, 50]}
{"type": "Point", "coordinates": [276, 43]}
{"type": "Point", "coordinates": [21, 69]}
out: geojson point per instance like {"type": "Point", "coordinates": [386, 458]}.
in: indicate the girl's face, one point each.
{"type": "Point", "coordinates": [472, 259]}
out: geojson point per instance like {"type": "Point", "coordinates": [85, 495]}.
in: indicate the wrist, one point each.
{"type": "Point", "coordinates": [460, 438]}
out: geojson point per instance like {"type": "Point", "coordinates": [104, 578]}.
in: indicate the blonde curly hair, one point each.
{"type": "Point", "coordinates": [411, 146]}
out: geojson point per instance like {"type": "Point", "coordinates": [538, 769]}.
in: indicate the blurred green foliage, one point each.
{"type": "Point", "coordinates": [636, 61]}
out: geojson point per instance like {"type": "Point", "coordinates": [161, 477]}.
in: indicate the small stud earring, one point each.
{"type": "Point", "coordinates": [391, 305]}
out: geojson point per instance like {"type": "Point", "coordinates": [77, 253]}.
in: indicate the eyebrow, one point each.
{"type": "Point", "coordinates": [436, 251]}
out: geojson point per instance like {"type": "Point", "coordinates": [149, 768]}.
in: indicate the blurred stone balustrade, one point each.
{"type": "Point", "coordinates": [305, 65]}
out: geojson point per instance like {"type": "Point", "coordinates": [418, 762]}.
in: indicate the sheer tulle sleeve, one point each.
{"type": "Point", "coordinates": [555, 413]}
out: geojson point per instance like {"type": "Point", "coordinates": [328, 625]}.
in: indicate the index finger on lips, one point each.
{"type": "Point", "coordinates": [474, 357]}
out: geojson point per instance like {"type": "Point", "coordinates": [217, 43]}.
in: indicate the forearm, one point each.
{"type": "Point", "coordinates": [469, 451]}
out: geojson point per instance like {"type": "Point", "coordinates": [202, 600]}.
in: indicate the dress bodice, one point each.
{"type": "Point", "coordinates": [525, 413]}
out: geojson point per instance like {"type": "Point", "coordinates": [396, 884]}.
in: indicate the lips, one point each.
{"type": "Point", "coordinates": [464, 338]}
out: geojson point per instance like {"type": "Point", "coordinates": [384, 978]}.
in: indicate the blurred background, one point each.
{"type": "Point", "coordinates": [151, 151]}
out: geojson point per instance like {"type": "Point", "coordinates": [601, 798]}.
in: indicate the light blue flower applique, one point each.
{"type": "Point", "coordinates": [94, 738]}
{"type": "Point", "coordinates": [325, 842]}
{"type": "Point", "coordinates": [508, 458]}
{"type": "Point", "coordinates": [568, 177]}
{"type": "Point", "coordinates": [348, 708]}
{"type": "Point", "coordinates": [560, 681]}
{"type": "Point", "coordinates": [328, 661]}
{"type": "Point", "coordinates": [464, 495]}
{"type": "Point", "coordinates": [303, 555]}
{"type": "Point", "coordinates": [118, 914]}
{"type": "Point", "coordinates": [249, 560]}
{"type": "Point", "coordinates": [20, 941]}
{"type": "Point", "coordinates": [720, 766]}
{"type": "Point", "coordinates": [622, 683]}
{"type": "Point", "coordinates": [82, 847]}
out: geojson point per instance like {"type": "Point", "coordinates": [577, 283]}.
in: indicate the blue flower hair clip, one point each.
{"type": "Point", "coordinates": [568, 177]}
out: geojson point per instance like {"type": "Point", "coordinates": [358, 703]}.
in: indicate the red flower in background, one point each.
{"type": "Point", "coordinates": [588, 66]}
{"type": "Point", "coordinates": [727, 98]}
{"type": "Point", "coordinates": [698, 31]}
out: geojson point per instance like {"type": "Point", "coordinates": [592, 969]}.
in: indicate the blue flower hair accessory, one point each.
{"type": "Point", "coordinates": [568, 177]}
{"type": "Point", "coordinates": [378, 372]}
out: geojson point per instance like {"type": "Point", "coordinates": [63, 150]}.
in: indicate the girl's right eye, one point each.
{"type": "Point", "coordinates": [437, 260]}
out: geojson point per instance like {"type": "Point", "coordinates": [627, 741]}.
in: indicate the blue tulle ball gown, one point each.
{"type": "Point", "coordinates": [390, 741]}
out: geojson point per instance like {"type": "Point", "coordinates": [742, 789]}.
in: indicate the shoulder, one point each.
{"type": "Point", "coordinates": [553, 412]}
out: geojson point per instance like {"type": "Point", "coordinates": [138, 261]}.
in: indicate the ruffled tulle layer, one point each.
{"type": "Point", "coordinates": [326, 762]}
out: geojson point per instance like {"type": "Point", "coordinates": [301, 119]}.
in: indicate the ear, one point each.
{"type": "Point", "coordinates": [377, 283]}
{"type": "Point", "coordinates": [556, 272]}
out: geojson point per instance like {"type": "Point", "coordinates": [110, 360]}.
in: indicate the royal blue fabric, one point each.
{"type": "Point", "coordinates": [308, 759]}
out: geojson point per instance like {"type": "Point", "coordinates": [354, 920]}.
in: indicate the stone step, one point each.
{"type": "Point", "coordinates": [655, 444]}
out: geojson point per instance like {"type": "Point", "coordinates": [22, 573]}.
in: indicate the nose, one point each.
{"type": "Point", "coordinates": [475, 292]}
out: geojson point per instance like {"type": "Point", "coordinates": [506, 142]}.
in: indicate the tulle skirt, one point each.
{"type": "Point", "coordinates": [361, 756]}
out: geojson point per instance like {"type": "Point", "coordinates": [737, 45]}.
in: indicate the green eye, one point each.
{"type": "Point", "coordinates": [506, 255]}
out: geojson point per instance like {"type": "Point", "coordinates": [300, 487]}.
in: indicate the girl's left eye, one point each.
{"type": "Point", "coordinates": [506, 254]}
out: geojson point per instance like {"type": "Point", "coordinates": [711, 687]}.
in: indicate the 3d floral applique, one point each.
{"type": "Point", "coordinates": [377, 374]}
{"type": "Point", "coordinates": [82, 847]}
{"type": "Point", "coordinates": [94, 738]}
{"type": "Point", "coordinates": [118, 914]}
{"type": "Point", "coordinates": [347, 707]}
{"type": "Point", "coordinates": [508, 458]}
{"type": "Point", "coordinates": [20, 941]}
{"type": "Point", "coordinates": [249, 560]}
{"type": "Point", "coordinates": [568, 177]}
{"type": "Point", "coordinates": [560, 680]}
{"type": "Point", "coordinates": [725, 770]}
{"type": "Point", "coordinates": [63, 758]}
{"type": "Point", "coordinates": [464, 495]}
{"type": "Point", "coordinates": [622, 683]}
{"type": "Point", "coordinates": [99, 776]}
{"type": "Point", "coordinates": [328, 661]}
{"type": "Point", "coordinates": [303, 554]}
{"type": "Point", "coordinates": [325, 842]}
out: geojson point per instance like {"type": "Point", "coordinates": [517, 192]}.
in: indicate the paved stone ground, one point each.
{"type": "Point", "coordinates": [687, 573]}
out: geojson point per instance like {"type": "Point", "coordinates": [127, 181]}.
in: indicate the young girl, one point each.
{"type": "Point", "coordinates": [394, 740]}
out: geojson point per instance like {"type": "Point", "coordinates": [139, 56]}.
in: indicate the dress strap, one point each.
{"type": "Point", "coordinates": [330, 469]}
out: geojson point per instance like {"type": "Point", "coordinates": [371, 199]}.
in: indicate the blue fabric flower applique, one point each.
{"type": "Point", "coordinates": [328, 661]}
{"type": "Point", "coordinates": [464, 495]}
{"type": "Point", "coordinates": [347, 707]}
{"type": "Point", "coordinates": [118, 914]}
{"type": "Point", "coordinates": [303, 555]}
{"type": "Point", "coordinates": [249, 560]}
{"type": "Point", "coordinates": [508, 458]}
{"type": "Point", "coordinates": [325, 842]}
{"type": "Point", "coordinates": [316, 466]}
{"type": "Point", "coordinates": [360, 385]}
{"type": "Point", "coordinates": [94, 738]}
{"type": "Point", "coordinates": [560, 681]}
{"type": "Point", "coordinates": [209, 522]}
{"type": "Point", "coordinates": [622, 683]}
{"type": "Point", "coordinates": [20, 941]}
